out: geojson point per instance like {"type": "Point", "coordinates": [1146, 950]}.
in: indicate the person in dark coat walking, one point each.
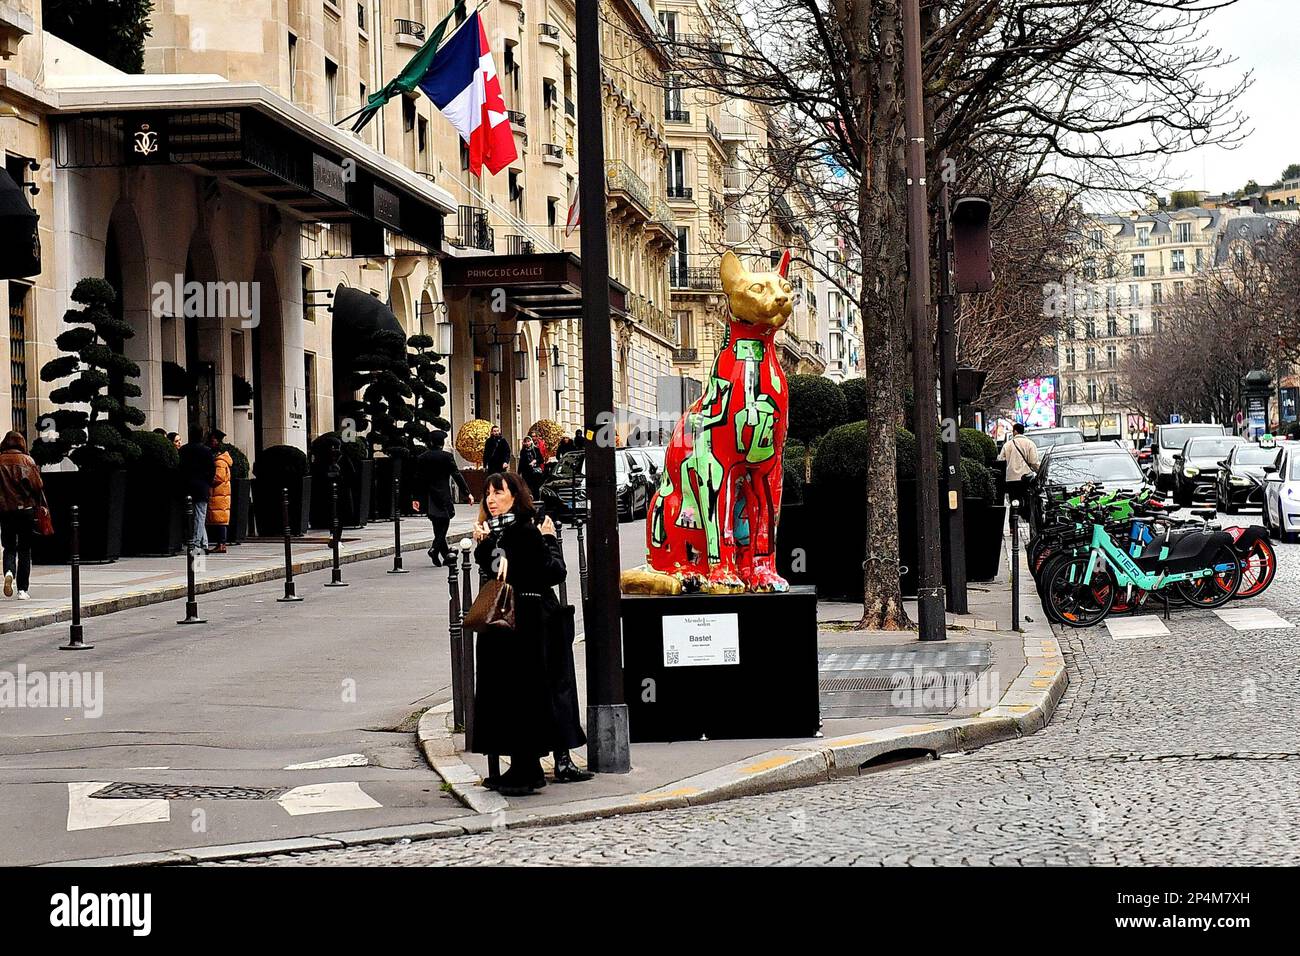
{"type": "Point", "coordinates": [496, 452]}
{"type": "Point", "coordinates": [532, 466]}
{"type": "Point", "coordinates": [434, 472]}
{"type": "Point", "coordinates": [198, 469]}
{"type": "Point", "coordinates": [516, 708]}
{"type": "Point", "coordinates": [22, 491]}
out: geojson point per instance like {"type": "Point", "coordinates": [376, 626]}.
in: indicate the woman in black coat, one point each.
{"type": "Point", "coordinates": [524, 702]}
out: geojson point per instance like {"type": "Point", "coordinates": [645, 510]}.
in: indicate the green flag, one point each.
{"type": "Point", "coordinates": [409, 78]}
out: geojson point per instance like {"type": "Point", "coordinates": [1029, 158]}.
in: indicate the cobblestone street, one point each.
{"type": "Point", "coordinates": [1178, 749]}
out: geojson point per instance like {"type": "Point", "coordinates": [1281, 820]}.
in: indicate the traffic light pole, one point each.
{"type": "Point", "coordinates": [931, 617]}
{"type": "Point", "coordinates": [607, 724]}
{"type": "Point", "coordinates": [952, 511]}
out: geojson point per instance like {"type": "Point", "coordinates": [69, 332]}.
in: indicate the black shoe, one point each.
{"type": "Point", "coordinates": [566, 771]}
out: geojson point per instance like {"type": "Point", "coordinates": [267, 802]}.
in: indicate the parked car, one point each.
{"type": "Point", "coordinates": [1241, 477]}
{"type": "Point", "coordinates": [1282, 493]}
{"type": "Point", "coordinates": [1045, 438]}
{"type": "Point", "coordinates": [564, 493]}
{"type": "Point", "coordinates": [656, 454]}
{"type": "Point", "coordinates": [640, 455]}
{"type": "Point", "coordinates": [1107, 464]}
{"type": "Point", "coordinates": [1196, 467]}
{"type": "Point", "coordinates": [1170, 440]}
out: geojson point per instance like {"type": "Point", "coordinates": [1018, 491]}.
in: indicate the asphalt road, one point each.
{"type": "Point", "coordinates": [1176, 748]}
{"type": "Point", "coordinates": [235, 704]}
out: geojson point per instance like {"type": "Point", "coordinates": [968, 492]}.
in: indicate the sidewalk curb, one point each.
{"type": "Point", "coordinates": [177, 592]}
{"type": "Point", "coordinates": [1026, 707]}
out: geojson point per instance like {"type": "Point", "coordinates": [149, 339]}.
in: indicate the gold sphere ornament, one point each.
{"type": "Point", "coordinates": [471, 438]}
{"type": "Point", "coordinates": [549, 431]}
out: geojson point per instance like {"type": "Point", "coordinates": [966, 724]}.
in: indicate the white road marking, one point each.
{"type": "Point", "coordinates": [327, 798]}
{"type": "Point", "coordinates": [1252, 618]}
{"type": "Point", "coordinates": [1131, 628]}
{"type": "Point", "coordinates": [148, 768]}
{"type": "Point", "coordinates": [330, 763]}
{"type": "Point", "coordinates": [85, 813]}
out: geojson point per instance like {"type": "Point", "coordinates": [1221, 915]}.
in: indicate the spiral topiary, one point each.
{"type": "Point", "coordinates": [471, 438]}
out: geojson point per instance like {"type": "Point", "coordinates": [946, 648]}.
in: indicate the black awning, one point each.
{"type": "Point", "coordinates": [545, 286]}
{"type": "Point", "coordinates": [20, 244]}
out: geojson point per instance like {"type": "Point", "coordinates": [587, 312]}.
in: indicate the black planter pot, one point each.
{"type": "Point", "coordinates": [102, 500]}
{"type": "Point", "coordinates": [241, 510]}
{"type": "Point", "coordinates": [155, 516]}
{"type": "Point", "coordinates": [835, 556]}
{"type": "Point", "coordinates": [268, 509]}
{"type": "Point", "coordinates": [381, 490]}
{"type": "Point", "coordinates": [354, 496]}
{"type": "Point", "coordinates": [796, 551]}
{"type": "Point", "coordinates": [984, 539]}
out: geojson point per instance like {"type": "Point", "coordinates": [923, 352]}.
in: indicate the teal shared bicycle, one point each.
{"type": "Point", "coordinates": [1081, 587]}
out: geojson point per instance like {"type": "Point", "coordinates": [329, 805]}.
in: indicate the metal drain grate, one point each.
{"type": "Point", "coordinates": [839, 684]}
{"type": "Point", "coordinates": [867, 681]}
{"type": "Point", "coordinates": [162, 791]}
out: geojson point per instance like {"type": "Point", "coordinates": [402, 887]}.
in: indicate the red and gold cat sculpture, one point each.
{"type": "Point", "coordinates": [712, 521]}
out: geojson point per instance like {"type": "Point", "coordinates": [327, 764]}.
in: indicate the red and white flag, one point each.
{"type": "Point", "coordinates": [462, 81]}
{"type": "Point", "coordinates": [574, 219]}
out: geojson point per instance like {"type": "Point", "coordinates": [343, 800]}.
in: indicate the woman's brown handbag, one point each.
{"type": "Point", "coordinates": [44, 523]}
{"type": "Point", "coordinates": [494, 607]}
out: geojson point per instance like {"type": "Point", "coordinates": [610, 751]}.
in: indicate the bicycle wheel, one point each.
{"type": "Point", "coordinates": [1258, 567]}
{"type": "Point", "coordinates": [1071, 602]}
{"type": "Point", "coordinates": [1217, 589]}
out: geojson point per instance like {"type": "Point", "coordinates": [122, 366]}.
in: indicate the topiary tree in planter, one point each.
{"type": "Point", "coordinates": [428, 391]}
{"type": "Point", "coordinates": [816, 406]}
{"type": "Point", "coordinates": [276, 468]}
{"type": "Point", "coordinates": [977, 446]}
{"type": "Point", "coordinates": [855, 399]}
{"type": "Point", "coordinates": [155, 513]}
{"type": "Point", "coordinates": [95, 437]}
{"type": "Point", "coordinates": [382, 374]}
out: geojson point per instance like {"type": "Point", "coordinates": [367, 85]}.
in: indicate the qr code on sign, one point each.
{"type": "Point", "coordinates": [729, 655]}
{"type": "Point", "coordinates": [670, 656]}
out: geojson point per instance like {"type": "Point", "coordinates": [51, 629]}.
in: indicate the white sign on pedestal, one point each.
{"type": "Point", "coordinates": [697, 640]}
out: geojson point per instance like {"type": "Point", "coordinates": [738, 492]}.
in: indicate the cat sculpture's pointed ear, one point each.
{"type": "Point", "coordinates": [733, 273]}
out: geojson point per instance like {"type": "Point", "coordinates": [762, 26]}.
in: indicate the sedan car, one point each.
{"type": "Point", "coordinates": [1241, 476]}
{"type": "Point", "coordinates": [1170, 440]}
{"type": "Point", "coordinates": [1107, 465]}
{"type": "Point", "coordinates": [1282, 493]}
{"type": "Point", "coordinates": [1196, 467]}
{"type": "Point", "coordinates": [564, 493]}
{"type": "Point", "coordinates": [1045, 438]}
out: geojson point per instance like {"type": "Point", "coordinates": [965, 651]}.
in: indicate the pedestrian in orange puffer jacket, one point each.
{"type": "Point", "coordinates": [219, 503]}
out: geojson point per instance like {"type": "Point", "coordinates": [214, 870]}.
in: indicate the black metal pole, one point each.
{"type": "Point", "coordinates": [582, 564]}
{"type": "Point", "coordinates": [607, 730]}
{"type": "Point", "coordinates": [454, 635]}
{"type": "Point", "coordinates": [467, 653]}
{"type": "Point", "coordinates": [290, 590]}
{"type": "Point", "coordinates": [397, 519]}
{"type": "Point", "coordinates": [1015, 564]}
{"type": "Point", "coordinates": [336, 533]}
{"type": "Point", "coordinates": [191, 599]}
{"type": "Point", "coordinates": [75, 643]}
{"type": "Point", "coordinates": [931, 621]}
{"type": "Point", "coordinates": [951, 512]}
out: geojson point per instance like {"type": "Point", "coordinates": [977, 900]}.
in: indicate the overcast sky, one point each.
{"type": "Point", "coordinates": [1264, 36]}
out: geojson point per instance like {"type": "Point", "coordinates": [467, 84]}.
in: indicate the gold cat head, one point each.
{"type": "Point", "coordinates": [758, 298]}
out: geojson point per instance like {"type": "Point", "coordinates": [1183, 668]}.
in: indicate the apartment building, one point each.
{"type": "Point", "coordinates": [1131, 265]}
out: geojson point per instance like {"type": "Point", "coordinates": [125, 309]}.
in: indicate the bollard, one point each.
{"type": "Point", "coordinates": [564, 584]}
{"type": "Point", "coordinates": [582, 559]}
{"type": "Point", "coordinates": [290, 591]}
{"type": "Point", "coordinates": [397, 520]}
{"type": "Point", "coordinates": [75, 643]}
{"type": "Point", "coordinates": [1015, 565]}
{"type": "Point", "coordinates": [336, 532]}
{"type": "Point", "coordinates": [467, 648]}
{"type": "Point", "coordinates": [191, 599]}
{"type": "Point", "coordinates": [454, 634]}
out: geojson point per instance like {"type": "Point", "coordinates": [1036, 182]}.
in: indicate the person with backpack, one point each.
{"type": "Point", "coordinates": [1021, 456]}
{"type": "Point", "coordinates": [21, 493]}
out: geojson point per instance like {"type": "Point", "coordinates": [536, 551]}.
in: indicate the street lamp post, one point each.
{"type": "Point", "coordinates": [607, 727]}
{"type": "Point", "coordinates": [930, 591]}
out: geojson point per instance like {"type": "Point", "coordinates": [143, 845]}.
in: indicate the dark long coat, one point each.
{"type": "Point", "coordinates": [525, 698]}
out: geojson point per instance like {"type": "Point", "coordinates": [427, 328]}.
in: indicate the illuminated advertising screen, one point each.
{"type": "Point", "coordinates": [1036, 402]}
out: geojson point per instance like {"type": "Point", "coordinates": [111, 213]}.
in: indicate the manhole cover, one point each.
{"type": "Point", "coordinates": [159, 791]}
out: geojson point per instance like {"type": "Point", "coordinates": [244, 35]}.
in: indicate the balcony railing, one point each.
{"type": "Point", "coordinates": [650, 316]}
{"type": "Point", "coordinates": [699, 278]}
{"type": "Point", "coordinates": [472, 229]}
{"type": "Point", "coordinates": [678, 191]}
{"type": "Point", "coordinates": [548, 30]}
{"type": "Point", "coordinates": [712, 127]}
{"type": "Point", "coordinates": [552, 151]}
{"type": "Point", "coordinates": [661, 212]}
{"type": "Point", "coordinates": [517, 118]}
{"type": "Point", "coordinates": [409, 28]}
{"type": "Point", "coordinates": [717, 207]}
{"type": "Point", "coordinates": [519, 245]}
{"type": "Point", "coordinates": [686, 355]}
{"type": "Point", "coordinates": [677, 116]}
{"type": "Point", "coordinates": [783, 214]}
{"type": "Point", "coordinates": [620, 176]}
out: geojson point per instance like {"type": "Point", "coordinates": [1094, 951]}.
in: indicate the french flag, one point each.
{"type": "Point", "coordinates": [462, 81]}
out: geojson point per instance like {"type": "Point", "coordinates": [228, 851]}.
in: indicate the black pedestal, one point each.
{"type": "Point", "coordinates": [763, 685]}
